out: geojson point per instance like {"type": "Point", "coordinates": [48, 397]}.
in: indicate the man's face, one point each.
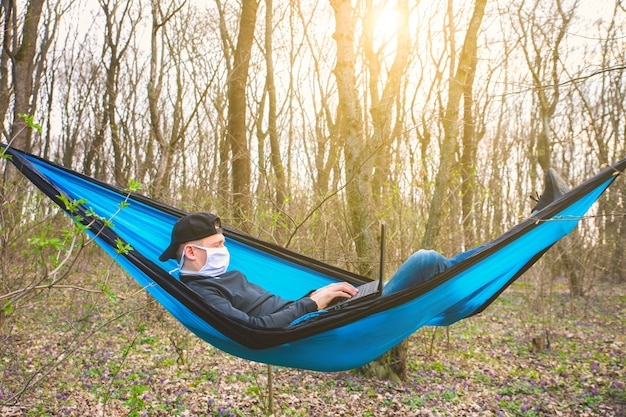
{"type": "Point", "coordinates": [213, 241]}
{"type": "Point", "coordinates": [198, 256]}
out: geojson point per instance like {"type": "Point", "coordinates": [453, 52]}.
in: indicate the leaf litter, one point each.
{"type": "Point", "coordinates": [515, 359]}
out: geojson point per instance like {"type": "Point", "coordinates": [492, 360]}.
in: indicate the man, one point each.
{"type": "Point", "coordinates": [199, 245]}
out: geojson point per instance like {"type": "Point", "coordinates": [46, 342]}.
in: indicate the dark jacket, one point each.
{"type": "Point", "coordinates": [234, 296]}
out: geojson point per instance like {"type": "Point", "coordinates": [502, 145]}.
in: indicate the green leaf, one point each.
{"type": "Point", "coordinates": [42, 242]}
{"type": "Point", "coordinates": [122, 248]}
{"type": "Point", "coordinates": [54, 260]}
{"type": "Point", "coordinates": [71, 205]}
{"type": "Point", "coordinates": [30, 121]}
{"type": "Point", "coordinates": [133, 186]}
{"type": "Point", "coordinates": [8, 309]}
{"type": "Point", "coordinates": [106, 289]}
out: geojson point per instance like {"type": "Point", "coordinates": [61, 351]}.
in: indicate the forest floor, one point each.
{"type": "Point", "coordinates": [82, 354]}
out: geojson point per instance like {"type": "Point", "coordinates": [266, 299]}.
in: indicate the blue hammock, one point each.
{"type": "Point", "coordinates": [335, 341]}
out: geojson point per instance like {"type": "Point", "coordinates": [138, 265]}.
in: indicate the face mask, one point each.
{"type": "Point", "coordinates": [217, 260]}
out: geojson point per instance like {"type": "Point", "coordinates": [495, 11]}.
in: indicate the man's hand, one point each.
{"type": "Point", "coordinates": [327, 294]}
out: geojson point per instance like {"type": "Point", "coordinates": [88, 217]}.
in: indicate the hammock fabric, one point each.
{"type": "Point", "coordinates": [335, 341]}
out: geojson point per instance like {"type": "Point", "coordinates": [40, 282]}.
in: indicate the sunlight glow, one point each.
{"type": "Point", "coordinates": [386, 24]}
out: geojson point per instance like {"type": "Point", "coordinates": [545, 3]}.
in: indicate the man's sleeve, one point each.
{"type": "Point", "coordinates": [279, 319]}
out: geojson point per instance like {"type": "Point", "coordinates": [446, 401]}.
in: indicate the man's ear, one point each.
{"type": "Point", "coordinates": [189, 252]}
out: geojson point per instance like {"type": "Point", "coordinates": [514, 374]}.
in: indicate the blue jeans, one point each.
{"type": "Point", "coordinates": [420, 267]}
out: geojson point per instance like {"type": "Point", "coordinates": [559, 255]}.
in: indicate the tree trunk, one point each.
{"type": "Point", "coordinates": [23, 70]}
{"type": "Point", "coordinates": [359, 164]}
{"type": "Point", "coordinates": [155, 83]}
{"type": "Point", "coordinates": [468, 160]}
{"type": "Point", "coordinates": [275, 157]}
{"type": "Point", "coordinates": [392, 365]}
{"type": "Point", "coordinates": [5, 58]}
{"type": "Point", "coordinates": [458, 84]}
{"type": "Point", "coordinates": [237, 133]}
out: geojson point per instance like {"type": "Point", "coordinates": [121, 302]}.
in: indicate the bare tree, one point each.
{"type": "Point", "coordinates": [116, 43]}
{"type": "Point", "coordinates": [6, 13]}
{"type": "Point", "coordinates": [323, 141]}
{"type": "Point", "coordinates": [167, 145]}
{"type": "Point", "coordinates": [278, 181]}
{"type": "Point", "coordinates": [542, 52]}
{"type": "Point", "coordinates": [544, 69]}
{"type": "Point", "coordinates": [357, 150]}
{"type": "Point", "coordinates": [77, 93]}
{"type": "Point", "coordinates": [601, 96]}
{"type": "Point", "coordinates": [469, 149]}
{"type": "Point", "coordinates": [458, 86]}
{"type": "Point", "coordinates": [384, 99]}
{"type": "Point", "coordinates": [22, 48]}
{"type": "Point", "coordinates": [237, 134]}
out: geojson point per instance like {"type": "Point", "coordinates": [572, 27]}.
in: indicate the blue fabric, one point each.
{"type": "Point", "coordinates": [333, 341]}
{"type": "Point", "coordinates": [308, 316]}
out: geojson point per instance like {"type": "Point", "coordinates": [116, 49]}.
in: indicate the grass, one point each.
{"type": "Point", "coordinates": [52, 365]}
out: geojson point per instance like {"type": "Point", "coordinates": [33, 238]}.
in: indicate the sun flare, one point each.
{"type": "Point", "coordinates": [386, 24]}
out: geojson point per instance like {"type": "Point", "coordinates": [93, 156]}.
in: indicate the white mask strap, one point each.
{"type": "Point", "coordinates": [180, 263]}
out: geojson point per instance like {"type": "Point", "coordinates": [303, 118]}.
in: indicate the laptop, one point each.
{"type": "Point", "coordinates": [368, 290]}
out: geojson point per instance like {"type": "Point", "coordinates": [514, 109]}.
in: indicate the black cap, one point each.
{"type": "Point", "coordinates": [194, 226]}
